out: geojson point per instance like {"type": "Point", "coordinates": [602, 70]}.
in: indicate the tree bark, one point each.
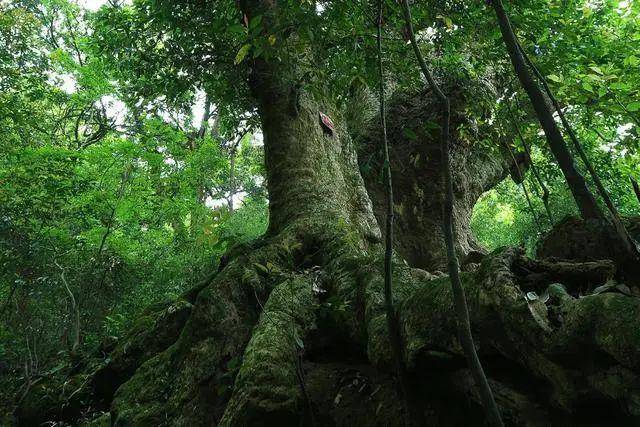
{"type": "Point", "coordinates": [477, 167]}
{"type": "Point", "coordinates": [311, 172]}
{"type": "Point", "coordinates": [206, 115]}
{"type": "Point", "coordinates": [636, 187]}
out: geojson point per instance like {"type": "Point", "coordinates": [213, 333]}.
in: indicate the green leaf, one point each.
{"type": "Point", "coordinates": [410, 134]}
{"type": "Point", "coordinates": [633, 106]}
{"type": "Point", "coordinates": [261, 267]}
{"type": "Point", "coordinates": [554, 78]}
{"type": "Point", "coordinates": [596, 70]}
{"type": "Point", "coordinates": [298, 340]}
{"type": "Point", "coordinates": [632, 61]}
{"type": "Point", "coordinates": [258, 51]}
{"type": "Point", "coordinates": [446, 20]}
{"type": "Point", "coordinates": [237, 29]}
{"type": "Point", "coordinates": [242, 53]}
{"type": "Point", "coordinates": [255, 22]}
{"type": "Point", "coordinates": [619, 86]}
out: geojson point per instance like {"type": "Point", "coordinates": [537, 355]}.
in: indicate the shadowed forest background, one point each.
{"type": "Point", "coordinates": [132, 170]}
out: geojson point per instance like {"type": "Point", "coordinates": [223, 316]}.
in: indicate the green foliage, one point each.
{"type": "Point", "coordinates": [124, 206]}
{"type": "Point", "coordinates": [586, 51]}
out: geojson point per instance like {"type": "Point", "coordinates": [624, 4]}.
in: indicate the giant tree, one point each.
{"type": "Point", "coordinates": [291, 329]}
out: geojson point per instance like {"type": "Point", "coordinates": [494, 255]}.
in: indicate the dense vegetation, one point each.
{"type": "Point", "coordinates": [104, 212]}
{"type": "Point", "coordinates": [132, 158]}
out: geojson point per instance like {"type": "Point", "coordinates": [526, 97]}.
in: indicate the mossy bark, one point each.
{"type": "Point", "coordinates": [270, 383]}
{"type": "Point", "coordinates": [478, 164]}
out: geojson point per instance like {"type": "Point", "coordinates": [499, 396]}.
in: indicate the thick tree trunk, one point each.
{"type": "Point", "coordinates": [477, 166]}
{"type": "Point", "coordinates": [312, 172]}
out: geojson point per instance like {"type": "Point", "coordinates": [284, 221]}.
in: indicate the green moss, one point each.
{"type": "Point", "coordinates": [187, 384]}
{"type": "Point", "coordinates": [267, 385]}
{"type": "Point", "coordinates": [151, 333]}
{"type": "Point", "coordinates": [609, 320]}
{"type": "Point", "coordinates": [140, 401]}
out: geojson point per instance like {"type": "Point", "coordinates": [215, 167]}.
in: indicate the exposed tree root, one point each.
{"type": "Point", "coordinates": [577, 240]}
{"type": "Point", "coordinates": [269, 387]}
{"type": "Point", "coordinates": [536, 275]}
{"type": "Point", "coordinates": [234, 355]}
{"type": "Point", "coordinates": [588, 355]}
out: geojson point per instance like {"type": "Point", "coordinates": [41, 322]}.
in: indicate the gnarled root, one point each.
{"type": "Point", "coordinates": [269, 387]}
{"type": "Point", "coordinates": [294, 331]}
{"type": "Point", "coordinates": [554, 357]}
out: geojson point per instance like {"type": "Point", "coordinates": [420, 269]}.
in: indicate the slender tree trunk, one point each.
{"type": "Point", "coordinates": [627, 243]}
{"type": "Point", "coordinates": [119, 194]}
{"type": "Point", "coordinates": [206, 115]}
{"type": "Point", "coordinates": [112, 215]}
{"type": "Point", "coordinates": [392, 320]}
{"type": "Point", "coordinates": [578, 186]}
{"type": "Point", "coordinates": [545, 191]}
{"type": "Point", "coordinates": [76, 311]}
{"type": "Point", "coordinates": [524, 189]}
{"type": "Point", "coordinates": [636, 187]}
{"type": "Point", "coordinates": [460, 301]}
{"type": "Point", "coordinates": [232, 175]}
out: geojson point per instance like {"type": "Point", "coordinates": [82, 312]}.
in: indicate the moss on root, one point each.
{"type": "Point", "coordinates": [268, 389]}
{"type": "Point", "coordinates": [591, 352]}
{"type": "Point", "coordinates": [233, 361]}
{"type": "Point", "coordinates": [190, 383]}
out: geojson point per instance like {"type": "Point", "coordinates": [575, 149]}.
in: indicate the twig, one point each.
{"type": "Point", "coordinates": [76, 338]}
